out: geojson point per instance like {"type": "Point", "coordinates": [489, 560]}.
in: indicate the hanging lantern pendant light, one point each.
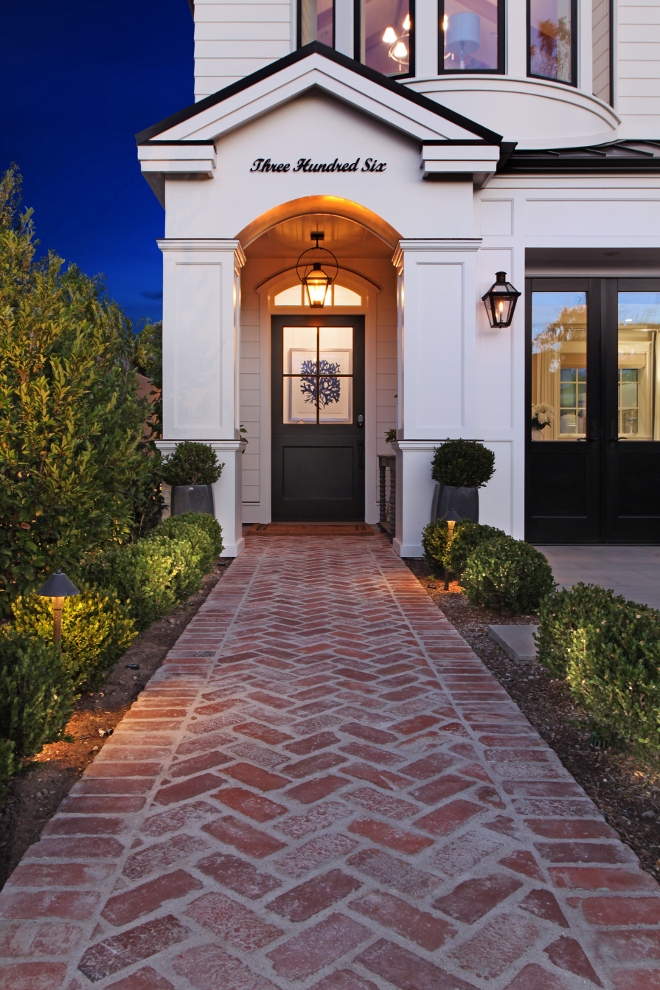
{"type": "Point", "coordinates": [500, 301]}
{"type": "Point", "coordinates": [315, 280]}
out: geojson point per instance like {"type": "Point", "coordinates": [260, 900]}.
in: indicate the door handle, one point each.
{"type": "Point", "coordinates": [360, 422]}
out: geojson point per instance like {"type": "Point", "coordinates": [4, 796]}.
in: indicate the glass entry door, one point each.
{"type": "Point", "coordinates": [593, 444]}
{"type": "Point", "coordinates": [317, 418]}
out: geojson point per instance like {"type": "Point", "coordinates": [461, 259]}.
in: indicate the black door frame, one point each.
{"type": "Point", "coordinates": [324, 435]}
{"type": "Point", "coordinates": [601, 454]}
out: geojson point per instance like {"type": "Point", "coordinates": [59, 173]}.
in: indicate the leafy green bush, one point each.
{"type": "Point", "coordinates": [7, 763]}
{"type": "Point", "coordinates": [434, 543]}
{"type": "Point", "coordinates": [142, 574]}
{"type": "Point", "coordinates": [192, 463]}
{"type": "Point", "coordinates": [463, 464]}
{"type": "Point", "coordinates": [467, 537]}
{"type": "Point", "coordinates": [96, 631]}
{"type": "Point", "coordinates": [507, 574]}
{"type": "Point", "coordinates": [203, 536]}
{"type": "Point", "coordinates": [36, 693]}
{"type": "Point", "coordinates": [608, 650]}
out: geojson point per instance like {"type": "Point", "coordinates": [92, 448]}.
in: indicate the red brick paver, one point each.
{"type": "Point", "coordinates": [323, 788]}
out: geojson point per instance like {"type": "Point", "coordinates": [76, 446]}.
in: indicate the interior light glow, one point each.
{"type": "Point", "coordinates": [389, 36]}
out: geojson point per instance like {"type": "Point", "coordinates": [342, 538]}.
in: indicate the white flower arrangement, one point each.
{"type": "Point", "coordinates": [542, 416]}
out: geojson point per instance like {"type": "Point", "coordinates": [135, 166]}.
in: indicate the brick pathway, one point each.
{"type": "Point", "coordinates": [324, 788]}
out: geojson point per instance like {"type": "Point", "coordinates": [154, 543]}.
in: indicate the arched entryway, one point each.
{"type": "Point", "coordinates": [363, 312]}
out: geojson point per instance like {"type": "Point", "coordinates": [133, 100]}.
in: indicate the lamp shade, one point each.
{"type": "Point", "coordinates": [58, 586]}
{"type": "Point", "coordinates": [463, 33]}
{"type": "Point", "coordinates": [500, 301]}
{"type": "Point", "coordinates": [452, 516]}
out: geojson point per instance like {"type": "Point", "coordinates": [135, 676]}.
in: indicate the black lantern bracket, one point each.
{"type": "Point", "coordinates": [500, 301]}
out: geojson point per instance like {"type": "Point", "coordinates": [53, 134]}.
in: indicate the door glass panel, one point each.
{"type": "Point", "coordinates": [559, 365]}
{"type": "Point", "coordinates": [318, 375]}
{"type": "Point", "coordinates": [639, 324]}
{"type": "Point", "coordinates": [469, 30]}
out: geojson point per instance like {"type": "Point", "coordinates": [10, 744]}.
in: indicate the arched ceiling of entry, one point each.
{"type": "Point", "coordinates": [345, 238]}
{"type": "Point", "coordinates": [350, 227]}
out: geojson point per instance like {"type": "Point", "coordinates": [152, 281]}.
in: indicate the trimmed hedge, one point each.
{"type": "Point", "coordinates": [96, 632]}
{"type": "Point", "coordinates": [463, 464]}
{"type": "Point", "coordinates": [192, 463]}
{"type": "Point", "coordinates": [608, 651]}
{"type": "Point", "coordinates": [434, 543]}
{"type": "Point", "coordinates": [467, 537]}
{"type": "Point", "coordinates": [155, 573]}
{"type": "Point", "coordinates": [36, 695]}
{"type": "Point", "coordinates": [507, 574]}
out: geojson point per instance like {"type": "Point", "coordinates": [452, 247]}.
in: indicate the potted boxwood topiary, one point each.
{"type": "Point", "coordinates": [191, 470]}
{"type": "Point", "coordinates": [460, 468]}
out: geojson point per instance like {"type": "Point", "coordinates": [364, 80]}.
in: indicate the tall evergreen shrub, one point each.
{"type": "Point", "coordinates": [72, 443]}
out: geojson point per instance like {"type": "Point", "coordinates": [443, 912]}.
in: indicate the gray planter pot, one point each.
{"type": "Point", "coordinates": [192, 498]}
{"type": "Point", "coordinates": [462, 501]}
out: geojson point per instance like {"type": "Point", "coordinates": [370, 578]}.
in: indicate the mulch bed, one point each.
{"type": "Point", "coordinates": [625, 787]}
{"type": "Point", "coordinates": [34, 796]}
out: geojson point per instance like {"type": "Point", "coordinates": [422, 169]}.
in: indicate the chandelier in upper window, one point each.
{"type": "Point", "coordinates": [384, 38]}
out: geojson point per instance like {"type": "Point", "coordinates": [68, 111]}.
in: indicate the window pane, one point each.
{"type": "Point", "coordinates": [289, 297]}
{"type": "Point", "coordinates": [316, 22]}
{"type": "Point", "coordinates": [470, 35]}
{"type": "Point", "coordinates": [639, 325]}
{"type": "Point", "coordinates": [551, 37]}
{"type": "Point", "coordinates": [559, 365]}
{"type": "Point", "coordinates": [384, 36]}
{"type": "Point", "coordinates": [345, 297]}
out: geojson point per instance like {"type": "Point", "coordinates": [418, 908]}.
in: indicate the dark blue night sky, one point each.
{"type": "Point", "coordinates": [78, 79]}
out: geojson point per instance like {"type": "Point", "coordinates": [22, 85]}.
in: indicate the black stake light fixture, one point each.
{"type": "Point", "coordinates": [500, 301]}
{"type": "Point", "coordinates": [311, 270]}
{"type": "Point", "coordinates": [58, 587]}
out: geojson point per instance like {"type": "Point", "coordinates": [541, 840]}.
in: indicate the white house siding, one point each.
{"type": "Point", "coordinates": [234, 39]}
{"type": "Point", "coordinates": [601, 49]}
{"type": "Point", "coordinates": [637, 89]}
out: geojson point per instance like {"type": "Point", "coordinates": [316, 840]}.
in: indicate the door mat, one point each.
{"type": "Point", "coordinates": [312, 529]}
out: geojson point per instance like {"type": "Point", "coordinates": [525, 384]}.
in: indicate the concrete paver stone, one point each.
{"type": "Point", "coordinates": [323, 788]}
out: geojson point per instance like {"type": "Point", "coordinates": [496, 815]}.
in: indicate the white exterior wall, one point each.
{"type": "Point", "coordinates": [234, 39]}
{"type": "Point", "coordinates": [600, 41]}
{"type": "Point", "coordinates": [637, 83]}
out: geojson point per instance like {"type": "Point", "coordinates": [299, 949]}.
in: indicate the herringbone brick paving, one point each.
{"type": "Point", "coordinates": [323, 788]}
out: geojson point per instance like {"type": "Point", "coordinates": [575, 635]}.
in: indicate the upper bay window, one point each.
{"type": "Point", "coordinates": [471, 36]}
{"type": "Point", "coordinates": [552, 40]}
{"type": "Point", "coordinates": [316, 22]}
{"type": "Point", "coordinates": [384, 36]}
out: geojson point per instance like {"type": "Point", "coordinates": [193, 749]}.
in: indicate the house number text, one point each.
{"type": "Point", "coordinates": [306, 165]}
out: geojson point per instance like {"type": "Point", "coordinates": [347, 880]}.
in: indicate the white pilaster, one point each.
{"type": "Point", "coordinates": [201, 340]}
{"type": "Point", "coordinates": [437, 360]}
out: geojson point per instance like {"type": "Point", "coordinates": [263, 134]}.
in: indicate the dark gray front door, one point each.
{"type": "Point", "coordinates": [318, 418]}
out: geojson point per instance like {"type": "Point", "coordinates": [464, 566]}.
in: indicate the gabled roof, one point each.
{"type": "Point", "coordinates": [315, 66]}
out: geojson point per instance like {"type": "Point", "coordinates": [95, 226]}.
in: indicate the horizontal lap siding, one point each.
{"type": "Point", "coordinates": [234, 40]}
{"type": "Point", "coordinates": [638, 68]}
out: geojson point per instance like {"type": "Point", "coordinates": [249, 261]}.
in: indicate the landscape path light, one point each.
{"type": "Point", "coordinates": [500, 301]}
{"type": "Point", "coordinates": [451, 518]}
{"type": "Point", "coordinates": [58, 587]}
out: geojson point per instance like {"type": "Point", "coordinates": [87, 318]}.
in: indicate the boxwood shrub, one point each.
{"type": "Point", "coordinates": [467, 537]}
{"type": "Point", "coordinates": [434, 544]}
{"type": "Point", "coordinates": [96, 631]}
{"type": "Point", "coordinates": [463, 464]}
{"type": "Point", "coordinates": [36, 695]}
{"type": "Point", "coordinates": [507, 574]}
{"type": "Point", "coordinates": [201, 538]}
{"type": "Point", "coordinates": [608, 651]}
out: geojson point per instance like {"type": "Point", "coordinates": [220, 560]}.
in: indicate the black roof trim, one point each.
{"type": "Point", "coordinates": [191, 4]}
{"type": "Point", "coordinates": [615, 156]}
{"type": "Point", "coordinates": [315, 48]}
{"type": "Point", "coordinates": [453, 141]}
{"type": "Point", "coordinates": [168, 144]}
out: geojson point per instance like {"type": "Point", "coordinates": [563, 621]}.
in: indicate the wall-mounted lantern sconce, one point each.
{"type": "Point", "coordinates": [311, 273]}
{"type": "Point", "coordinates": [500, 301]}
{"type": "Point", "coordinates": [58, 587]}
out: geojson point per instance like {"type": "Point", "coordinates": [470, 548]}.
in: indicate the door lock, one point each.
{"type": "Point", "coordinates": [360, 421]}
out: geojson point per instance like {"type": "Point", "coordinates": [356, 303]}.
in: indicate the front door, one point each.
{"type": "Point", "coordinates": [593, 443]}
{"type": "Point", "coordinates": [318, 418]}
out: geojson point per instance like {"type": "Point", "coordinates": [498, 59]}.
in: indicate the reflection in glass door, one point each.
{"type": "Point", "coordinates": [593, 387]}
